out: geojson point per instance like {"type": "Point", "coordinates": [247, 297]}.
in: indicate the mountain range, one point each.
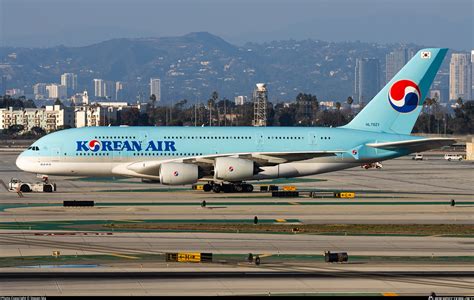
{"type": "Point", "coordinates": [196, 64]}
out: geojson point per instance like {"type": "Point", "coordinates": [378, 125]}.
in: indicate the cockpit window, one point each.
{"type": "Point", "coordinates": [34, 148]}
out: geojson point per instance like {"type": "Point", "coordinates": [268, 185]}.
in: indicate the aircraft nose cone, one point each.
{"type": "Point", "coordinates": [21, 162]}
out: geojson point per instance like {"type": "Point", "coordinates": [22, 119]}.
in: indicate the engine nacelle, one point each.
{"type": "Point", "coordinates": [234, 169]}
{"type": "Point", "coordinates": [178, 173]}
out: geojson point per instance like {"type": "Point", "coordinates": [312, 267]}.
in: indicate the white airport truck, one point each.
{"type": "Point", "coordinates": [16, 185]}
{"type": "Point", "coordinates": [450, 157]}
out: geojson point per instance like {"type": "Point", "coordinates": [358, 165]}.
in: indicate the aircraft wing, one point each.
{"type": "Point", "coordinates": [151, 167]}
{"type": "Point", "coordinates": [414, 145]}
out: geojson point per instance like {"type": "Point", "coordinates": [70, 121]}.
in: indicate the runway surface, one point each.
{"type": "Point", "coordinates": [135, 243]}
{"type": "Point", "coordinates": [261, 283]}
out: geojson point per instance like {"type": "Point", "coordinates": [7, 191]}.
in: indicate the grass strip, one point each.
{"type": "Point", "coordinates": [333, 229]}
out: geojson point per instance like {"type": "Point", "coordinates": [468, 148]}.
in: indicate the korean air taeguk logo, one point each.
{"type": "Point", "coordinates": [404, 96]}
{"type": "Point", "coordinates": [94, 145]}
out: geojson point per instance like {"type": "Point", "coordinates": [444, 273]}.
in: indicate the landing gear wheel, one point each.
{"type": "Point", "coordinates": [216, 188]}
{"type": "Point", "coordinates": [248, 188]}
{"type": "Point", "coordinates": [238, 188]}
{"type": "Point", "coordinates": [207, 187]}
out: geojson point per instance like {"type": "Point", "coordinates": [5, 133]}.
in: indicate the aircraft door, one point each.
{"type": "Point", "coordinates": [55, 153]}
{"type": "Point", "coordinates": [143, 137]}
{"type": "Point", "coordinates": [312, 138]}
{"type": "Point", "coordinates": [259, 138]}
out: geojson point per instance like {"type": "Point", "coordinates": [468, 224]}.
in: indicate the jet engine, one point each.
{"type": "Point", "coordinates": [178, 173]}
{"type": "Point", "coordinates": [234, 169]}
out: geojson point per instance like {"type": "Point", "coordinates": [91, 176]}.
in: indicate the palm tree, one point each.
{"type": "Point", "coordinates": [153, 100]}
{"type": "Point", "coordinates": [338, 107]}
{"type": "Point", "coordinates": [350, 101]}
{"type": "Point", "coordinates": [211, 103]}
{"type": "Point", "coordinates": [427, 104]}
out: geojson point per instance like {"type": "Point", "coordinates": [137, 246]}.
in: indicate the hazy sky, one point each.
{"type": "Point", "coordinates": [46, 23]}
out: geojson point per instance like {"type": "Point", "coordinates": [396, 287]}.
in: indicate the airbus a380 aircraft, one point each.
{"type": "Point", "coordinates": [226, 157]}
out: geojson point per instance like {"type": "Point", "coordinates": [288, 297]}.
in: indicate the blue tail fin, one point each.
{"type": "Point", "coordinates": [397, 106]}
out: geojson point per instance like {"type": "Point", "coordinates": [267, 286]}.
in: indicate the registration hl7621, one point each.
{"type": "Point", "coordinates": [372, 124]}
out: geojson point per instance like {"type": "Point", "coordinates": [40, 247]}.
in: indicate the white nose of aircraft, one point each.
{"type": "Point", "coordinates": [22, 162]}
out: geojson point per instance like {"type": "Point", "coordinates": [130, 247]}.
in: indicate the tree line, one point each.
{"type": "Point", "coordinates": [305, 110]}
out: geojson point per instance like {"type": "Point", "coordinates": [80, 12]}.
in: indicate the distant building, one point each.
{"type": "Point", "coordinates": [76, 99]}
{"type": "Point", "coordinates": [95, 115]}
{"type": "Point", "coordinates": [441, 95]}
{"type": "Point", "coordinates": [3, 85]}
{"type": "Point", "coordinates": [85, 98]}
{"type": "Point", "coordinates": [327, 104]}
{"type": "Point", "coordinates": [155, 88]}
{"type": "Point", "coordinates": [50, 118]}
{"type": "Point", "coordinates": [395, 60]}
{"type": "Point", "coordinates": [15, 93]}
{"type": "Point", "coordinates": [109, 87]}
{"type": "Point", "coordinates": [460, 77]}
{"type": "Point", "coordinates": [103, 113]}
{"type": "Point", "coordinates": [113, 104]}
{"type": "Point", "coordinates": [119, 91]}
{"type": "Point", "coordinates": [99, 88]}
{"type": "Point", "coordinates": [56, 91]}
{"type": "Point", "coordinates": [367, 74]}
{"type": "Point", "coordinates": [472, 72]}
{"type": "Point", "coordinates": [441, 85]}
{"type": "Point", "coordinates": [104, 89]}
{"type": "Point", "coordinates": [39, 91]}
{"type": "Point", "coordinates": [240, 100]}
{"type": "Point", "coordinates": [80, 99]}
{"type": "Point", "coordinates": [69, 80]}
{"type": "Point", "coordinates": [304, 107]}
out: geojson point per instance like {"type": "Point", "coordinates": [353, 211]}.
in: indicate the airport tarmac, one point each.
{"type": "Point", "coordinates": [308, 282]}
{"type": "Point", "coordinates": [33, 244]}
{"type": "Point", "coordinates": [403, 192]}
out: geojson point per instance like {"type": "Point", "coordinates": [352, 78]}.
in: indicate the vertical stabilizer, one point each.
{"type": "Point", "coordinates": [397, 106]}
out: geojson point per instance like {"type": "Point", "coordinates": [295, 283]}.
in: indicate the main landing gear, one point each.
{"type": "Point", "coordinates": [228, 187]}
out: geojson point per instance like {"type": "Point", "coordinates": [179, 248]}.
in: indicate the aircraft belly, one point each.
{"type": "Point", "coordinates": [74, 168]}
{"type": "Point", "coordinates": [89, 169]}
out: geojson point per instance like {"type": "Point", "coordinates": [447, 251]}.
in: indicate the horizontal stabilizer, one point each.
{"type": "Point", "coordinates": [414, 145]}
